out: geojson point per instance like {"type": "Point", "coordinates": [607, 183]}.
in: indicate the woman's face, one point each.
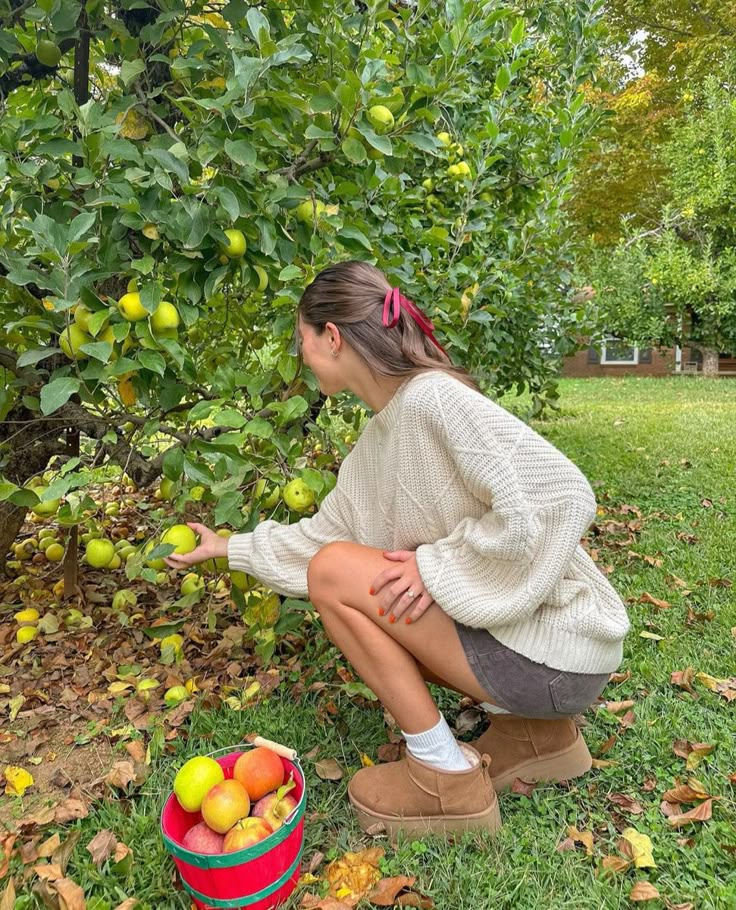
{"type": "Point", "coordinates": [316, 355]}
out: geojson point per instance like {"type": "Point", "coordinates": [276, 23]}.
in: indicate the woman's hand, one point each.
{"type": "Point", "coordinates": [210, 546]}
{"type": "Point", "coordinates": [391, 585]}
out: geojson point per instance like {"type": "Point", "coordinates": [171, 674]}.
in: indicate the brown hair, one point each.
{"type": "Point", "coordinates": [351, 295]}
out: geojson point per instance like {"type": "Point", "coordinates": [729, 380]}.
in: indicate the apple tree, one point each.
{"type": "Point", "coordinates": [172, 176]}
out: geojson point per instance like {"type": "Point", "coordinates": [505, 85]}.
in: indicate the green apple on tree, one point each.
{"type": "Point", "coordinates": [71, 340]}
{"type": "Point", "coordinates": [298, 496]}
{"type": "Point", "coordinates": [165, 320]}
{"type": "Point", "coordinates": [381, 118]}
{"type": "Point", "coordinates": [48, 53]}
{"type": "Point", "coordinates": [236, 246]}
{"type": "Point", "coordinates": [131, 307]}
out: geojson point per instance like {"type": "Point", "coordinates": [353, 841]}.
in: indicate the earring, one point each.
{"type": "Point", "coordinates": [334, 353]}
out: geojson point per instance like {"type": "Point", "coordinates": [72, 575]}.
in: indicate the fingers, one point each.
{"type": "Point", "coordinates": [421, 605]}
{"type": "Point", "coordinates": [385, 577]}
{"type": "Point", "coordinates": [185, 560]}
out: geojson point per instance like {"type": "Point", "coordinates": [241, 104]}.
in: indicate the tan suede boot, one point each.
{"type": "Point", "coordinates": [534, 750]}
{"type": "Point", "coordinates": [414, 797]}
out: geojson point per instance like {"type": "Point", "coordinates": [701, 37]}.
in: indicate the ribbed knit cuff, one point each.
{"type": "Point", "coordinates": [239, 551]}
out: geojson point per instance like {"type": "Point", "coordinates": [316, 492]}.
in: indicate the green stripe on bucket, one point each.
{"type": "Point", "coordinates": [251, 898]}
{"type": "Point", "coordinates": [238, 857]}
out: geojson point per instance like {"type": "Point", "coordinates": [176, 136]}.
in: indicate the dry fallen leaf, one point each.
{"type": "Point", "coordinates": [581, 837]}
{"type": "Point", "coordinates": [690, 792]}
{"type": "Point", "coordinates": [69, 810]}
{"type": "Point", "coordinates": [627, 803]}
{"type": "Point", "coordinates": [615, 706]}
{"type": "Point", "coordinates": [647, 598]}
{"type": "Point", "coordinates": [700, 813]}
{"type": "Point", "coordinates": [524, 787]}
{"type": "Point", "coordinates": [683, 678]}
{"type": "Point", "coordinates": [314, 902]}
{"type": "Point", "coordinates": [614, 864]}
{"type": "Point", "coordinates": [127, 904]}
{"type": "Point", "coordinates": [641, 848]}
{"type": "Point", "coordinates": [17, 780]}
{"type": "Point", "coordinates": [101, 847]}
{"type": "Point", "coordinates": [49, 872]}
{"type": "Point", "coordinates": [7, 901]}
{"type": "Point", "coordinates": [71, 896]}
{"type": "Point", "coordinates": [643, 891]}
{"type": "Point", "coordinates": [328, 769]}
{"type": "Point", "coordinates": [385, 893]}
{"type": "Point", "coordinates": [120, 775]}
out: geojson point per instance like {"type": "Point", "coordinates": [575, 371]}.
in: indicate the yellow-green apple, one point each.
{"type": "Point", "coordinates": [194, 779]}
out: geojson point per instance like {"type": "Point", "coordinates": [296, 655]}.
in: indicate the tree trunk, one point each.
{"type": "Point", "coordinates": [710, 362]}
{"type": "Point", "coordinates": [11, 519]}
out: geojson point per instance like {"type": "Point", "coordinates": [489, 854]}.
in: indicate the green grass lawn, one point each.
{"type": "Point", "coordinates": [668, 448]}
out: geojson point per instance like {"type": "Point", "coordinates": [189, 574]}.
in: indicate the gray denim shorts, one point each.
{"type": "Point", "coordinates": [522, 686]}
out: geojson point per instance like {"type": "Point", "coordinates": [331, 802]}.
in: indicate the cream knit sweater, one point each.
{"type": "Point", "coordinates": [494, 512]}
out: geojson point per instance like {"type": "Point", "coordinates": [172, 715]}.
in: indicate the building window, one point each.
{"type": "Point", "coordinates": [621, 353]}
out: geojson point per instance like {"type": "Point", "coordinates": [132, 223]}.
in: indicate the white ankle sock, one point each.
{"type": "Point", "coordinates": [437, 747]}
{"type": "Point", "coordinates": [493, 709]}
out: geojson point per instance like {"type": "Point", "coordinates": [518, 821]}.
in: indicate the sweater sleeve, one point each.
{"type": "Point", "coordinates": [539, 505]}
{"type": "Point", "coordinates": [278, 554]}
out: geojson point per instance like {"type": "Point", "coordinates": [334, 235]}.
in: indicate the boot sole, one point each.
{"type": "Point", "coordinates": [370, 822]}
{"type": "Point", "coordinates": [564, 765]}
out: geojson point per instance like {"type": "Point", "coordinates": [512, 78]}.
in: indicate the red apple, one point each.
{"type": "Point", "coordinates": [246, 832]}
{"type": "Point", "coordinates": [259, 770]}
{"type": "Point", "coordinates": [202, 839]}
{"type": "Point", "coordinates": [224, 804]}
{"type": "Point", "coordinates": [276, 807]}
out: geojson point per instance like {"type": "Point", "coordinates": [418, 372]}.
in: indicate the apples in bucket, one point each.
{"type": "Point", "coordinates": [236, 812]}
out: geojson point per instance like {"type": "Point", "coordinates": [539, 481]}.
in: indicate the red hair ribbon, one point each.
{"type": "Point", "coordinates": [395, 299]}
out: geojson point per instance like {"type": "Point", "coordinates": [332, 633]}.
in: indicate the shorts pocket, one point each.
{"type": "Point", "coordinates": [568, 695]}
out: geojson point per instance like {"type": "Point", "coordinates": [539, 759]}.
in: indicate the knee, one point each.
{"type": "Point", "coordinates": [322, 575]}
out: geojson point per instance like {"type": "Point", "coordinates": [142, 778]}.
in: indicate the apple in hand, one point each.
{"type": "Point", "coordinates": [202, 839]}
{"type": "Point", "coordinates": [245, 833]}
{"type": "Point", "coordinates": [276, 807]}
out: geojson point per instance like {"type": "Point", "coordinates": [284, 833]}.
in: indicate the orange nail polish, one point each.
{"type": "Point", "coordinates": [392, 618]}
{"type": "Point", "coordinates": [408, 620]}
{"type": "Point", "coordinates": [371, 591]}
{"type": "Point", "coordinates": [381, 611]}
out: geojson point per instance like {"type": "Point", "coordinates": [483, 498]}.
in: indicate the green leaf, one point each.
{"type": "Point", "coordinates": [352, 233]}
{"type": "Point", "coordinates": [503, 78]}
{"type": "Point", "coordinates": [259, 427]}
{"type": "Point", "coordinates": [258, 25]}
{"type": "Point", "coordinates": [354, 150]}
{"type": "Point", "coordinates": [58, 392]}
{"type": "Point", "coordinates": [130, 69]}
{"type": "Point", "coordinates": [100, 350]}
{"type": "Point", "coordinates": [517, 32]}
{"type": "Point", "coordinates": [152, 360]}
{"type": "Point", "coordinates": [229, 418]}
{"type": "Point", "coordinates": [240, 151]}
{"type": "Point", "coordinates": [565, 138]}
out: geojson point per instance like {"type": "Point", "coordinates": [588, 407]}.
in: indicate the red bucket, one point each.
{"type": "Point", "coordinates": [259, 877]}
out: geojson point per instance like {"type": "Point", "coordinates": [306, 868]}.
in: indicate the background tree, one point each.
{"type": "Point", "coordinates": [676, 282]}
{"type": "Point", "coordinates": [172, 176]}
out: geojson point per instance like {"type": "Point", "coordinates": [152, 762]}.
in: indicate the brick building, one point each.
{"type": "Point", "coordinates": [618, 358]}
